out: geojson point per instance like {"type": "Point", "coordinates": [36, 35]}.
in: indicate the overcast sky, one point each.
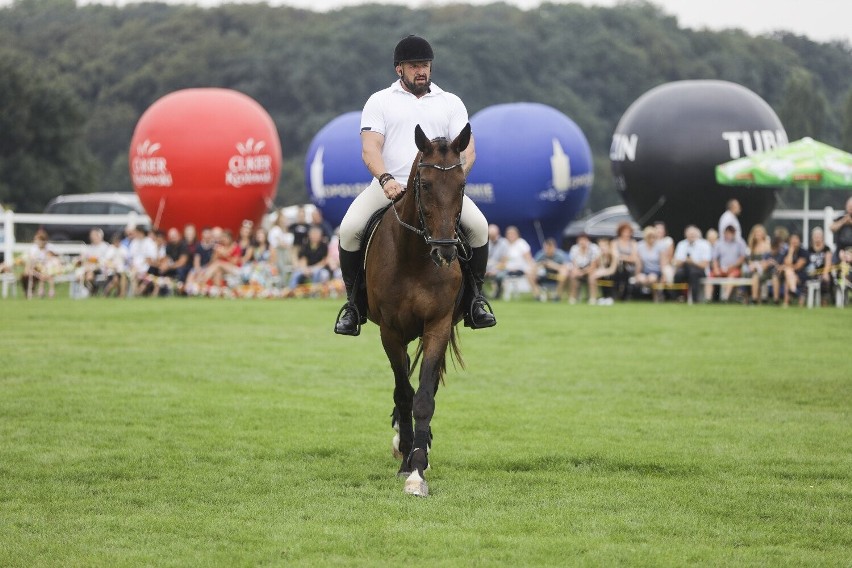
{"type": "Point", "coordinates": [822, 20]}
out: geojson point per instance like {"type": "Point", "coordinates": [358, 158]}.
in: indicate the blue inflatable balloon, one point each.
{"type": "Point", "coordinates": [334, 171]}
{"type": "Point", "coordinates": [533, 169]}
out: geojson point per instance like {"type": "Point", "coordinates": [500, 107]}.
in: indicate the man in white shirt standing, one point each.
{"type": "Point", "coordinates": [730, 217]}
{"type": "Point", "coordinates": [388, 150]}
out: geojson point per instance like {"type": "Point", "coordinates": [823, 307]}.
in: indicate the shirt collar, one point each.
{"type": "Point", "coordinates": [433, 89]}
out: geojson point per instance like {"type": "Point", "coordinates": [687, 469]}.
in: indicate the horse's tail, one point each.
{"type": "Point", "coordinates": [455, 350]}
{"type": "Point", "coordinates": [455, 355]}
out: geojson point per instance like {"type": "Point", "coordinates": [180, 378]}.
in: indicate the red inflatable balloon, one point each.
{"type": "Point", "coordinates": [210, 157]}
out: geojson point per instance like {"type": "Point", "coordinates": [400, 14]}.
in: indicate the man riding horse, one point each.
{"type": "Point", "coordinates": [388, 150]}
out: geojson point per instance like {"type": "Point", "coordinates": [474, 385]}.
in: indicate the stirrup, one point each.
{"type": "Point", "coordinates": [349, 306]}
{"type": "Point", "coordinates": [468, 317]}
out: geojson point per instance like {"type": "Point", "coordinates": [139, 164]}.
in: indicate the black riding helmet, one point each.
{"type": "Point", "coordinates": [412, 48]}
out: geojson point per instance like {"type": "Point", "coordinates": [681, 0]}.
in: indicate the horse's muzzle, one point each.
{"type": "Point", "coordinates": [443, 255]}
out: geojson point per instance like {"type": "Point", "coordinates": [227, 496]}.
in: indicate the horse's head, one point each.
{"type": "Point", "coordinates": [439, 189]}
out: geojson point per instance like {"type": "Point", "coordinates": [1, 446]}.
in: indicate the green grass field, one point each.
{"type": "Point", "coordinates": [191, 432]}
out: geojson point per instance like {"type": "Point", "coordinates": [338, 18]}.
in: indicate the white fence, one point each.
{"type": "Point", "coordinates": [827, 216]}
{"type": "Point", "coordinates": [10, 218]}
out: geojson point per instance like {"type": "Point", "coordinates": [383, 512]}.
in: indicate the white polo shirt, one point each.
{"type": "Point", "coordinates": [394, 112]}
{"type": "Point", "coordinates": [699, 250]}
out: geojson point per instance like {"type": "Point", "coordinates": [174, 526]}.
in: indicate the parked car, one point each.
{"type": "Point", "coordinates": [603, 223]}
{"type": "Point", "coordinates": [91, 204]}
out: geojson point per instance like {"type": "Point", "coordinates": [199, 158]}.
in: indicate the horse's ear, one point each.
{"type": "Point", "coordinates": [420, 139]}
{"type": "Point", "coordinates": [462, 140]}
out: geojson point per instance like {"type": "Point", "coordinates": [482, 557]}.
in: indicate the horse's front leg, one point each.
{"type": "Point", "coordinates": [431, 369]}
{"type": "Point", "coordinates": [403, 395]}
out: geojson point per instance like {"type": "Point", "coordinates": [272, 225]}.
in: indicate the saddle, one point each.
{"type": "Point", "coordinates": [359, 287]}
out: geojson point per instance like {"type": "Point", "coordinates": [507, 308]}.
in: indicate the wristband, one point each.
{"type": "Point", "coordinates": [384, 178]}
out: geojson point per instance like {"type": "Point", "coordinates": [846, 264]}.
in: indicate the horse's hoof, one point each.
{"type": "Point", "coordinates": [395, 448]}
{"type": "Point", "coordinates": [416, 485]}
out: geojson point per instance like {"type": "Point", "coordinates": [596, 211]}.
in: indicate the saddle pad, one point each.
{"type": "Point", "coordinates": [370, 230]}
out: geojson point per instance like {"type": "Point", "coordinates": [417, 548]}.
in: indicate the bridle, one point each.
{"type": "Point", "coordinates": [424, 232]}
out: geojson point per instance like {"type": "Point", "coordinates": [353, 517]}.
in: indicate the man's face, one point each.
{"type": "Point", "coordinates": [692, 235]}
{"type": "Point", "coordinates": [416, 76]}
{"type": "Point", "coordinates": [729, 235]}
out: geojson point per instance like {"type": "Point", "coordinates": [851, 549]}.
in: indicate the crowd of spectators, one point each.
{"type": "Point", "coordinates": [290, 260]}
{"type": "Point", "coordinates": [753, 271]}
{"type": "Point", "coordinates": [301, 259]}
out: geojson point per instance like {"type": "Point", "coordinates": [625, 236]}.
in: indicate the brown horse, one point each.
{"type": "Point", "coordinates": [414, 291]}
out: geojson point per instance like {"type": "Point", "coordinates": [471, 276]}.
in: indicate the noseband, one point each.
{"type": "Point", "coordinates": [423, 231]}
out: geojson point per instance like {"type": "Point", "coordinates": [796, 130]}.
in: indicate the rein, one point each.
{"type": "Point", "coordinates": [423, 232]}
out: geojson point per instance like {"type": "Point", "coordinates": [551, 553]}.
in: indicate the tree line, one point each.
{"type": "Point", "coordinates": [77, 78]}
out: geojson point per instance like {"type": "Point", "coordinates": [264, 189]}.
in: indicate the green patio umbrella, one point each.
{"type": "Point", "coordinates": [804, 163]}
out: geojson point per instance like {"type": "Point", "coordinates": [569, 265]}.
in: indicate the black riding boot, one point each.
{"type": "Point", "coordinates": [476, 316]}
{"type": "Point", "coordinates": [351, 315]}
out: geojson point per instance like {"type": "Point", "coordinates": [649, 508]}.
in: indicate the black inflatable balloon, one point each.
{"type": "Point", "coordinates": [669, 141]}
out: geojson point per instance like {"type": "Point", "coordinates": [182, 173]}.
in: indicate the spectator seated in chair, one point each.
{"type": "Point", "coordinates": [626, 253]}
{"type": "Point", "coordinates": [517, 261]}
{"type": "Point", "coordinates": [584, 257]}
{"type": "Point", "coordinates": [226, 262]}
{"type": "Point", "coordinates": [497, 246]}
{"type": "Point", "coordinates": [691, 258]}
{"type": "Point", "coordinates": [41, 265]}
{"type": "Point", "coordinates": [727, 260]}
{"type": "Point", "coordinates": [311, 264]}
{"type": "Point", "coordinates": [115, 268]}
{"type": "Point", "coordinates": [551, 271]}
{"type": "Point", "coordinates": [793, 270]}
{"type": "Point", "coordinates": [759, 264]}
{"type": "Point", "coordinates": [606, 270]}
{"type": "Point", "coordinates": [820, 263]}
{"type": "Point", "coordinates": [92, 262]}
{"type": "Point", "coordinates": [652, 255]}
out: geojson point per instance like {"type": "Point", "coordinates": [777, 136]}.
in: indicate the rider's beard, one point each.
{"type": "Point", "coordinates": [417, 89]}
